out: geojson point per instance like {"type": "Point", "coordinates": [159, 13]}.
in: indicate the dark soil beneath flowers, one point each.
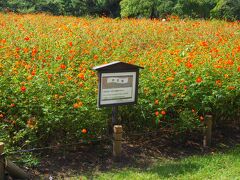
{"type": "Point", "coordinates": [139, 150]}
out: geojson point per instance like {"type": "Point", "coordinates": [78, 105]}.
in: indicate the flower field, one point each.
{"type": "Point", "coordinates": [48, 92]}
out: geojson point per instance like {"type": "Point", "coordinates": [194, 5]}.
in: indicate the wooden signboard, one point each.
{"type": "Point", "coordinates": [118, 84]}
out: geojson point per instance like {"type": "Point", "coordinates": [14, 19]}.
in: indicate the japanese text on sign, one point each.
{"type": "Point", "coordinates": [118, 87]}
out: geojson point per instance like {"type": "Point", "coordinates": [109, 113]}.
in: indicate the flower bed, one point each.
{"type": "Point", "coordinates": [49, 92]}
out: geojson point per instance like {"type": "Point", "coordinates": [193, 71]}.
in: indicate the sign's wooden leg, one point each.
{"type": "Point", "coordinates": [207, 141]}
{"type": "Point", "coordinates": [117, 141]}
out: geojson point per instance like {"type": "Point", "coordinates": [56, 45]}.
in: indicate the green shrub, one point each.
{"type": "Point", "coordinates": [227, 9]}
{"type": "Point", "coordinates": [136, 8]}
{"type": "Point", "coordinates": [194, 8]}
{"type": "Point", "coordinates": [48, 91]}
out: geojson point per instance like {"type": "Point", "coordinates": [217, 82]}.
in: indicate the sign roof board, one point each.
{"type": "Point", "coordinates": [116, 65]}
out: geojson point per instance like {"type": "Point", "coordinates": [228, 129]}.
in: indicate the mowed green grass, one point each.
{"type": "Point", "coordinates": [213, 166]}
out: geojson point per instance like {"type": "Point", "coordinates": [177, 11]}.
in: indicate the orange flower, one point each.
{"type": "Point", "coordinates": [238, 69]}
{"type": "Point", "coordinates": [84, 131]}
{"type": "Point", "coordinates": [80, 84]}
{"type": "Point", "coordinates": [63, 66]}
{"type": "Point", "coordinates": [170, 78]}
{"type": "Point", "coordinates": [23, 88]}
{"type": "Point", "coordinates": [27, 38]}
{"type": "Point", "coordinates": [34, 51]}
{"type": "Point", "coordinates": [81, 76]}
{"type": "Point", "coordinates": [56, 96]}
{"type": "Point", "coordinates": [25, 50]}
{"type": "Point", "coordinates": [189, 65]}
{"type": "Point", "coordinates": [49, 76]}
{"type": "Point", "coordinates": [33, 73]}
{"type": "Point", "coordinates": [226, 76]}
{"type": "Point", "coordinates": [231, 87]}
{"type": "Point", "coordinates": [218, 66]}
{"type": "Point", "coordinates": [218, 83]}
{"type": "Point", "coordinates": [199, 79]}
{"type": "Point", "coordinates": [95, 57]}
{"type": "Point", "coordinates": [27, 66]}
{"type": "Point", "coordinates": [31, 123]}
{"type": "Point", "coordinates": [58, 58]}
{"type": "Point", "coordinates": [156, 102]}
{"type": "Point", "coordinates": [230, 62]}
{"type": "Point", "coordinates": [77, 105]}
{"type": "Point", "coordinates": [201, 118]}
{"type": "Point", "coordinates": [204, 43]}
{"type": "Point", "coordinates": [3, 41]}
{"type": "Point", "coordinates": [29, 77]}
{"type": "Point", "coordinates": [70, 44]}
{"type": "Point", "coordinates": [157, 113]}
{"type": "Point", "coordinates": [163, 112]}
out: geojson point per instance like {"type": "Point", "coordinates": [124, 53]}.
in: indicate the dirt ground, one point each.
{"type": "Point", "coordinates": [139, 150]}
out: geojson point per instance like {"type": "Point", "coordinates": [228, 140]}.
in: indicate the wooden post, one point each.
{"type": "Point", "coordinates": [15, 171]}
{"type": "Point", "coordinates": [2, 161]}
{"type": "Point", "coordinates": [113, 121]}
{"type": "Point", "coordinates": [114, 115]}
{"type": "Point", "coordinates": [117, 141]}
{"type": "Point", "coordinates": [207, 140]}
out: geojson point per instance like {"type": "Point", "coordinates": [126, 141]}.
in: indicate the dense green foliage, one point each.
{"type": "Point", "coordinates": [137, 8]}
{"type": "Point", "coordinates": [227, 9]}
{"type": "Point", "coordinates": [48, 91]}
{"type": "Point", "coordinates": [221, 9]}
{"type": "Point", "coordinates": [63, 7]}
{"type": "Point", "coordinates": [194, 8]}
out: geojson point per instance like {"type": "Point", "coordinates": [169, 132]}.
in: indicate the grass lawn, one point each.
{"type": "Point", "coordinates": [213, 166]}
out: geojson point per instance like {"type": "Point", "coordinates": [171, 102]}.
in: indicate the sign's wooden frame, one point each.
{"type": "Point", "coordinates": [117, 67]}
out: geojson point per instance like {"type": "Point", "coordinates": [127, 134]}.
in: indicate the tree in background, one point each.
{"type": "Point", "coordinates": [227, 9]}
{"type": "Point", "coordinates": [137, 8]}
{"type": "Point", "coordinates": [109, 7]}
{"type": "Point", "coordinates": [146, 8]}
{"type": "Point", "coordinates": [221, 9]}
{"type": "Point", "coordinates": [23, 6]}
{"type": "Point", "coordinates": [55, 7]}
{"type": "Point", "coordinates": [77, 7]}
{"type": "Point", "coordinates": [165, 7]}
{"type": "Point", "coordinates": [3, 5]}
{"type": "Point", "coordinates": [64, 7]}
{"type": "Point", "coordinates": [194, 8]}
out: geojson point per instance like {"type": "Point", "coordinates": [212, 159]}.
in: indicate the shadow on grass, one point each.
{"type": "Point", "coordinates": [174, 169]}
{"type": "Point", "coordinates": [159, 171]}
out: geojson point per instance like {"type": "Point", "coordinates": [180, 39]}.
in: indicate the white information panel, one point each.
{"type": "Point", "coordinates": [117, 88]}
